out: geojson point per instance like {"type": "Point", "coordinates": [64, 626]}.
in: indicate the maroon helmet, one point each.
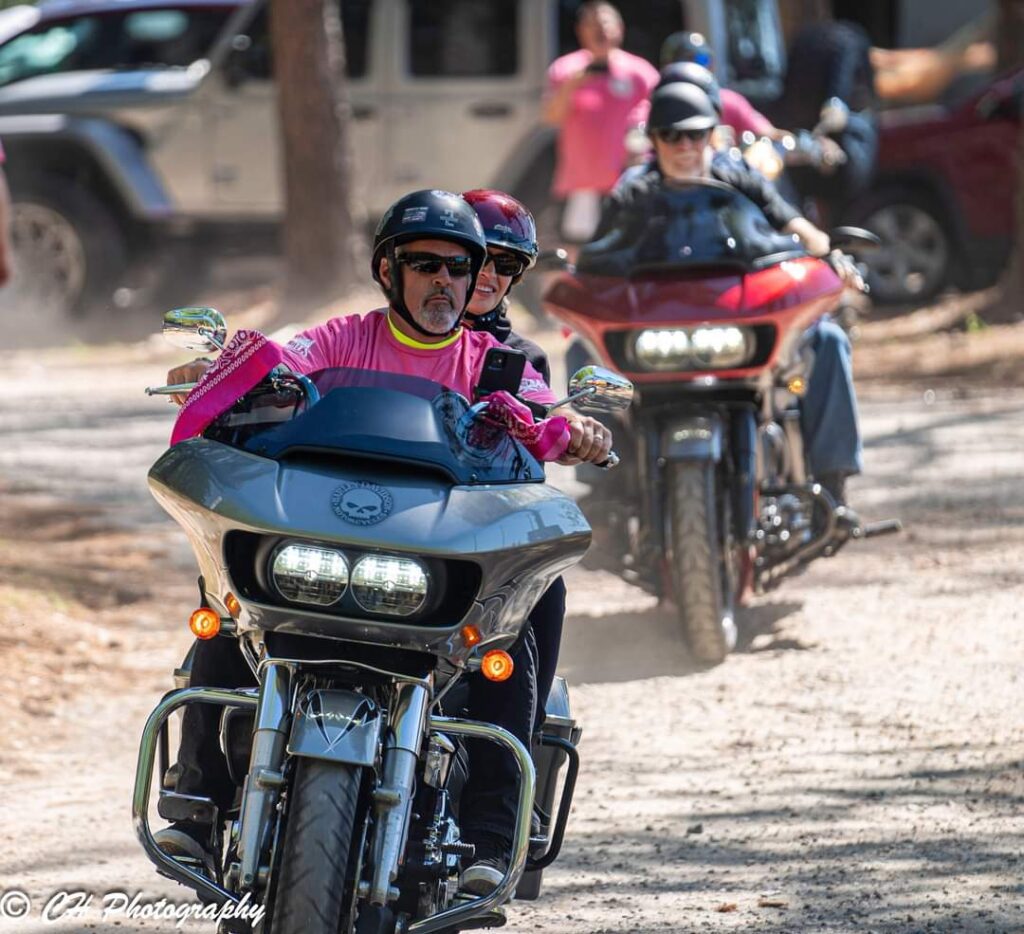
{"type": "Point", "coordinates": [507, 224]}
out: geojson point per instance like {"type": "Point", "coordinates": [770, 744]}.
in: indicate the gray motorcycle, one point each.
{"type": "Point", "coordinates": [367, 539]}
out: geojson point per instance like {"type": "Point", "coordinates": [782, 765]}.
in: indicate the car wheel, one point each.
{"type": "Point", "coordinates": [68, 250]}
{"type": "Point", "coordinates": [913, 261]}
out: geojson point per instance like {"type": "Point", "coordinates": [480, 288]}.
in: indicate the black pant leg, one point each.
{"type": "Point", "coordinates": [218, 663]}
{"type": "Point", "coordinates": [489, 798]}
{"type": "Point", "coordinates": [546, 622]}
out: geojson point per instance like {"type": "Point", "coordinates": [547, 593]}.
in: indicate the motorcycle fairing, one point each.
{"type": "Point", "coordinates": [522, 536]}
{"type": "Point", "coordinates": [787, 298]}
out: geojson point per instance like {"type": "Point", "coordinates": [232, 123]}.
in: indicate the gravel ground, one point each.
{"type": "Point", "coordinates": [855, 766]}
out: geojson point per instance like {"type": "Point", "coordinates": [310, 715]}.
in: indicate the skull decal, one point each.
{"type": "Point", "coordinates": [362, 503]}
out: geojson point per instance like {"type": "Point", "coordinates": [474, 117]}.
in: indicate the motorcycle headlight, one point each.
{"type": "Point", "coordinates": [721, 348]}
{"type": "Point", "coordinates": [662, 350]}
{"type": "Point", "coordinates": [389, 584]}
{"type": "Point", "coordinates": [711, 347]}
{"type": "Point", "coordinates": [308, 574]}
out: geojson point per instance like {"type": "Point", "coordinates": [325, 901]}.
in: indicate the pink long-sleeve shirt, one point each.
{"type": "Point", "coordinates": [370, 342]}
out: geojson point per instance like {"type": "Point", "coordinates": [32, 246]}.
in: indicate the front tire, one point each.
{"type": "Point", "coordinates": [312, 885]}
{"type": "Point", "coordinates": [699, 561]}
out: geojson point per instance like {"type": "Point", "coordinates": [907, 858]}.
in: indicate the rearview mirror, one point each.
{"type": "Point", "coordinates": [854, 240]}
{"type": "Point", "coordinates": [200, 329]}
{"type": "Point", "coordinates": [595, 389]}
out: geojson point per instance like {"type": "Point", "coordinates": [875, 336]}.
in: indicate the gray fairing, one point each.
{"type": "Point", "coordinates": [521, 535]}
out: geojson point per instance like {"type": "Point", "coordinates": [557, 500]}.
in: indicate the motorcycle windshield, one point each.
{"type": "Point", "coordinates": [380, 416]}
{"type": "Point", "coordinates": [699, 225]}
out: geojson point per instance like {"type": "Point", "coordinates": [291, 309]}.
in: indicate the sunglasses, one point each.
{"type": "Point", "coordinates": [672, 136]}
{"type": "Point", "coordinates": [505, 264]}
{"type": "Point", "coordinates": [431, 263]}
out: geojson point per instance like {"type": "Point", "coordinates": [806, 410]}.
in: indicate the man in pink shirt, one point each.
{"type": "Point", "coordinates": [428, 252]}
{"type": "Point", "coordinates": [595, 95]}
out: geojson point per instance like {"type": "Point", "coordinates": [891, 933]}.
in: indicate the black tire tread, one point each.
{"type": "Point", "coordinates": [322, 812]}
{"type": "Point", "coordinates": [695, 559]}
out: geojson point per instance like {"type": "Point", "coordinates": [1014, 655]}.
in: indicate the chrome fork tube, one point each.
{"type": "Point", "coordinates": [265, 778]}
{"type": "Point", "coordinates": [393, 799]}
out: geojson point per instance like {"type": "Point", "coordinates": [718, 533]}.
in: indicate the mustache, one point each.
{"type": "Point", "coordinates": [441, 293]}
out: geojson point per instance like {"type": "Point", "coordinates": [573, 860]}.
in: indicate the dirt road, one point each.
{"type": "Point", "coordinates": [855, 766]}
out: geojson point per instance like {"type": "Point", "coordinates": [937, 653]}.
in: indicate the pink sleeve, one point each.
{"type": "Point", "coordinates": [740, 114]}
{"type": "Point", "coordinates": [533, 387]}
{"type": "Point", "coordinates": [324, 346]}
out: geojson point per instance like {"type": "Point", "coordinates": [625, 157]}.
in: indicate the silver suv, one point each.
{"type": "Point", "coordinates": [112, 162]}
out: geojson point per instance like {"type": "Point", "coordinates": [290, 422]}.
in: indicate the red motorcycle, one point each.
{"type": "Point", "coordinates": [704, 307]}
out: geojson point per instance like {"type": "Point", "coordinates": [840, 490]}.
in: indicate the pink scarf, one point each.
{"type": "Point", "coordinates": [246, 359]}
{"type": "Point", "coordinates": [546, 440]}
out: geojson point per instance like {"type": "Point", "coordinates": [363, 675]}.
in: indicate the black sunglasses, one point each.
{"type": "Point", "coordinates": [430, 263]}
{"type": "Point", "coordinates": [672, 135]}
{"type": "Point", "coordinates": [505, 264]}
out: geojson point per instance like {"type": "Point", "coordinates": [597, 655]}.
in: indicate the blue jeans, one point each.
{"type": "Point", "coordinates": [828, 412]}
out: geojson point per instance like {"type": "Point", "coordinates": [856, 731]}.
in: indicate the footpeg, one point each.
{"type": "Point", "coordinates": [885, 527]}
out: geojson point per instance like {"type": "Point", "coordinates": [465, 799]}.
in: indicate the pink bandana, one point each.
{"type": "Point", "coordinates": [246, 359]}
{"type": "Point", "coordinates": [546, 440]}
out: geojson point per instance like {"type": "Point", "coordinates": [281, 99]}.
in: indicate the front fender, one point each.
{"type": "Point", "coordinates": [339, 726]}
{"type": "Point", "coordinates": [694, 437]}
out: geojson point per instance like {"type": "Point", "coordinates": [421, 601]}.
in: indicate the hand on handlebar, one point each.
{"type": "Point", "coordinates": [187, 373]}
{"type": "Point", "coordinates": [847, 270]}
{"type": "Point", "coordinates": [589, 441]}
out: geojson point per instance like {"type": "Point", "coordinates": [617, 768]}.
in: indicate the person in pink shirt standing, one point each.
{"type": "Point", "coordinates": [595, 95]}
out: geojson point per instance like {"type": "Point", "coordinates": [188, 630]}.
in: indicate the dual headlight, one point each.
{"type": "Point", "coordinates": [318, 576]}
{"type": "Point", "coordinates": [703, 348]}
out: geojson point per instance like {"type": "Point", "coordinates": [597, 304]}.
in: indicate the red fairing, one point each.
{"type": "Point", "coordinates": [789, 296]}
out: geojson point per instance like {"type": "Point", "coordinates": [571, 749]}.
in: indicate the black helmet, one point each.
{"type": "Point", "coordinates": [692, 73]}
{"type": "Point", "coordinates": [430, 214]}
{"type": "Point", "coordinates": [687, 47]}
{"type": "Point", "coordinates": [681, 106]}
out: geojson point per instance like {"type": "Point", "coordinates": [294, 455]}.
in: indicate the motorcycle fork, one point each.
{"type": "Point", "coordinates": [265, 778]}
{"type": "Point", "coordinates": [393, 797]}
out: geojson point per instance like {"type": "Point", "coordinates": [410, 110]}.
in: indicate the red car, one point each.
{"type": "Point", "coordinates": [943, 196]}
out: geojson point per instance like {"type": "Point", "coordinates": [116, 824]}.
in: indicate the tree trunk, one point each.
{"type": "Point", "coordinates": [321, 240]}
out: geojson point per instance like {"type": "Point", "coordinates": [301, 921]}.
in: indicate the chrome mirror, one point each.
{"type": "Point", "coordinates": [196, 329]}
{"type": "Point", "coordinates": [595, 389]}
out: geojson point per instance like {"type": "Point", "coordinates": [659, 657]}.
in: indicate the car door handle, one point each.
{"type": "Point", "coordinates": [363, 113]}
{"type": "Point", "coordinates": [488, 111]}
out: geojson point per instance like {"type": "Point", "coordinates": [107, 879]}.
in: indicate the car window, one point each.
{"type": "Point", "coordinates": [463, 38]}
{"type": "Point", "coordinates": [170, 38]}
{"type": "Point", "coordinates": [255, 56]}
{"type": "Point", "coordinates": [647, 24]}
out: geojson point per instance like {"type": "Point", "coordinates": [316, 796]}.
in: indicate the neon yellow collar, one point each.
{"type": "Point", "coordinates": [420, 345]}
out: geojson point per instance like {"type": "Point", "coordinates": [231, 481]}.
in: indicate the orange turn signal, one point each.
{"type": "Point", "coordinates": [234, 607]}
{"type": "Point", "coordinates": [797, 385]}
{"type": "Point", "coordinates": [497, 665]}
{"type": "Point", "coordinates": [470, 636]}
{"type": "Point", "coordinates": [204, 623]}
